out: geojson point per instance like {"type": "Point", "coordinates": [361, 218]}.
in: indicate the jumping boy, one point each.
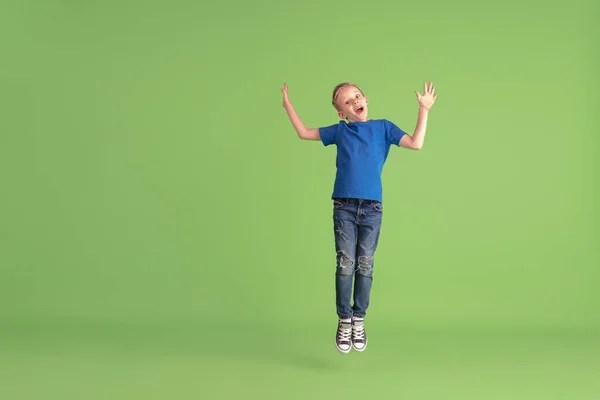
{"type": "Point", "coordinates": [362, 149]}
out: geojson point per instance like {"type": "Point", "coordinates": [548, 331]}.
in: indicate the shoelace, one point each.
{"type": "Point", "coordinates": [358, 331]}
{"type": "Point", "coordinates": [345, 333]}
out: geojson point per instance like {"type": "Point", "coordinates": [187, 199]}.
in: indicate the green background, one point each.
{"type": "Point", "coordinates": [165, 234]}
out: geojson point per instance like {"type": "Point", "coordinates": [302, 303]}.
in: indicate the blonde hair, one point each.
{"type": "Point", "coordinates": [338, 89]}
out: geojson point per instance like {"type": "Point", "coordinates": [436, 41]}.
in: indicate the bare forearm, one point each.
{"type": "Point", "coordinates": [426, 100]}
{"type": "Point", "coordinates": [299, 126]}
{"type": "Point", "coordinates": [418, 136]}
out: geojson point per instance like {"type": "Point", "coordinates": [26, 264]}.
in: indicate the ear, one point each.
{"type": "Point", "coordinates": [341, 115]}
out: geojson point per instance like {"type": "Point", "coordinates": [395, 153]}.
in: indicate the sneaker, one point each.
{"type": "Point", "coordinates": [343, 337]}
{"type": "Point", "coordinates": [359, 336]}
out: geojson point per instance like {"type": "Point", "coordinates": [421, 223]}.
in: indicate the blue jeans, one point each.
{"type": "Point", "coordinates": [357, 223]}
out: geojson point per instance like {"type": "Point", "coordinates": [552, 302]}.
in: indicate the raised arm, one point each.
{"type": "Point", "coordinates": [415, 142]}
{"type": "Point", "coordinates": [301, 129]}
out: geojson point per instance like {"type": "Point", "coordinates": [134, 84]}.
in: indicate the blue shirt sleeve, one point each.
{"type": "Point", "coordinates": [393, 134]}
{"type": "Point", "coordinates": [328, 134]}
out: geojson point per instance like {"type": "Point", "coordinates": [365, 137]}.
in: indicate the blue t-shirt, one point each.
{"type": "Point", "coordinates": [362, 148]}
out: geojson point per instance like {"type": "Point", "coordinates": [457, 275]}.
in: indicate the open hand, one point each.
{"type": "Point", "coordinates": [286, 100]}
{"type": "Point", "coordinates": [427, 99]}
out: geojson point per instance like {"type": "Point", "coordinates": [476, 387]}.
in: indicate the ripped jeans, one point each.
{"type": "Point", "coordinates": [356, 226]}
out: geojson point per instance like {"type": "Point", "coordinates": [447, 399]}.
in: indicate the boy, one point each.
{"type": "Point", "coordinates": [362, 149]}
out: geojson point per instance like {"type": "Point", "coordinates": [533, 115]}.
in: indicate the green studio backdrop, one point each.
{"type": "Point", "coordinates": [165, 234]}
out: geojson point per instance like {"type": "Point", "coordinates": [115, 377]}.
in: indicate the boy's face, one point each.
{"type": "Point", "coordinates": [352, 105]}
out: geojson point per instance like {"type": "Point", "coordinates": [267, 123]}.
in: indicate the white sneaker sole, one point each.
{"type": "Point", "coordinates": [342, 350]}
{"type": "Point", "coordinates": [363, 349]}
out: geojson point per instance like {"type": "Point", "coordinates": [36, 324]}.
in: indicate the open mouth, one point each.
{"type": "Point", "coordinates": [360, 110]}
